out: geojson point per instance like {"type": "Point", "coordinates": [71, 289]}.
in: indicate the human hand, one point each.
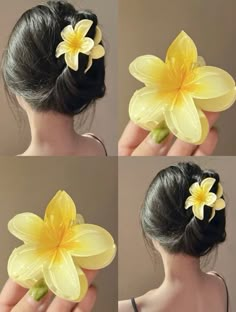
{"type": "Point", "coordinates": [136, 141]}
{"type": "Point", "coordinates": [15, 298]}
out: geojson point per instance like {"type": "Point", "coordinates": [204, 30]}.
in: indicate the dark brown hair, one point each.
{"type": "Point", "coordinates": [31, 70]}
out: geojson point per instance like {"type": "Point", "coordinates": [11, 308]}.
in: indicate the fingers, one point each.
{"type": "Point", "coordinates": [28, 304]}
{"type": "Point", "coordinates": [180, 148]}
{"type": "Point", "coordinates": [87, 304]}
{"type": "Point", "coordinates": [132, 136]}
{"type": "Point", "coordinates": [10, 295]}
{"type": "Point", "coordinates": [150, 148]}
{"type": "Point", "coordinates": [208, 147]}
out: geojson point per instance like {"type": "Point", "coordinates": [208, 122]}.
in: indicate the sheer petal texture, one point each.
{"type": "Point", "coordinates": [181, 88]}
{"type": "Point", "coordinates": [57, 248]}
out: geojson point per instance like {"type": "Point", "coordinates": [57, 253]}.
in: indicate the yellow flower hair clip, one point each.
{"type": "Point", "coordinates": [75, 42]}
{"type": "Point", "coordinates": [56, 249]}
{"type": "Point", "coordinates": [177, 92]}
{"type": "Point", "coordinates": [201, 196]}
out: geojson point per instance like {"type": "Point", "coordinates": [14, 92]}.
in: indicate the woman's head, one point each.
{"type": "Point", "coordinates": [32, 71]}
{"type": "Point", "coordinates": [165, 219]}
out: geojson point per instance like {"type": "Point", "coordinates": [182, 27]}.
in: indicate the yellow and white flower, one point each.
{"type": "Point", "coordinates": [178, 90]}
{"type": "Point", "coordinates": [201, 196]}
{"type": "Point", "coordinates": [57, 248]}
{"type": "Point", "coordinates": [75, 42]}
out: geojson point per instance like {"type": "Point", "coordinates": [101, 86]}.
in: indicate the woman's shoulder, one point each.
{"type": "Point", "coordinates": [90, 144]}
{"type": "Point", "coordinates": [218, 285]}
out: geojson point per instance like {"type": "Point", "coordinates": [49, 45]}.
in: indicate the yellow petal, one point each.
{"type": "Point", "coordinates": [97, 262]}
{"type": "Point", "coordinates": [72, 60]}
{"type": "Point", "coordinates": [97, 52]}
{"type": "Point", "coordinates": [183, 119]}
{"type": "Point", "coordinates": [198, 211]}
{"type": "Point", "coordinates": [194, 188]}
{"type": "Point", "coordinates": [27, 227]}
{"type": "Point", "coordinates": [146, 108]}
{"type": "Point", "coordinates": [213, 212]}
{"type": "Point", "coordinates": [148, 69]}
{"type": "Point", "coordinates": [82, 27]}
{"type": "Point", "coordinates": [86, 45]}
{"type": "Point", "coordinates": [61, 277]}
{"type": "Point", "coordinates": [220, 191]}
{"type": "Point", "coordinates": [183, 50]}
{"type": "Point", "coordinates": [98, 36]}
{"type": "Point", "coordinates": [25, 265]}
{"type": "Point", "coordinates": [83, 283]}
{"type": "Point", "coordinates": [217, 104]}
{"type": "Point", "coordinates": [62, 48]}
{"type": "Point", "coordinates": [68, 33]}
{"type": "Point", "coordinates": [189, 202]}
{"type": "Point", "coordinates": [204, 126]}
{"type": "Point", "coordinates": [207, 184]}
{"type": "Point", "coordinates": [219, 204]}
{"type": "Point", "coordinates": [210, 200]}
{"type": "Point", "coordinates": [61, 210]}
{"type": "Point", "coordinates": [211, 82]}
{"type": "Point", "coordinates": [86, 240]}
{"type": "Point", "coordinates": [90, 63]}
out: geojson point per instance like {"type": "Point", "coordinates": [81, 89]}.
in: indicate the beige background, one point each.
{"type": "Point", "coordinates": [27, 185]}
{"type": "Point", "coordinates": [14, 140]}
{"type": "Point", "coordinates": [148, 27]}
{"type": "Point", "coordinates": [138, 273]}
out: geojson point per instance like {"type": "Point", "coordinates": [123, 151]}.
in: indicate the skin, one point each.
{"type": "Point", "coordinates": [137, 142]}
{"type": "Point", "coordinates": [15, 298]}
{"type": "Point", "coordinates": [185, 288]}
{"type": "Point", "coordinates": [53, 134]}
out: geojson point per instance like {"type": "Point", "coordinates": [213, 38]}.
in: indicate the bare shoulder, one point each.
{"type": "Point", "coordinates": [125, 306]}
{"type": "Point", "coordinates": [152, 301]}
{"type": "Point", "coordinates": [217, 285]}
{"type": "Point", "coordinates": [90, 146]}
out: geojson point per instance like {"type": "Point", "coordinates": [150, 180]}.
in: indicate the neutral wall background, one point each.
{"type": "Point", "coordinates": [28, 184]}
{"type": "Point", "coordinates": [138, 273]}
{"type": "Point", "coordinates": [14, 141]}
{"type": "Point", "coordinates": [148, 27]}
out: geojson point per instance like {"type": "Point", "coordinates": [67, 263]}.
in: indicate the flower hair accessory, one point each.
{"type": "Point", "coordinates": [177, 91]}
{"type": "Point", "coordinates": [56, 249]}
{"type": "Point", "coordinates": [75, 42]}
{"type": "Point", "coordinates": [201, 196]}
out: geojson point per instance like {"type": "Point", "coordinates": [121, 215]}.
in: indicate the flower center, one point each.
{"type": "Point", "coordinates": [201, 196]}
{"type": "Point", "coordinates": [75, 44]}
{"type": "Point", "coordinates": [180, 77]}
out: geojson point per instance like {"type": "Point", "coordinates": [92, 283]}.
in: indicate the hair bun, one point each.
{"type": "Point", "coordinates": [31, 69]}
{"type": "Point", "coordinates": [165, 219]}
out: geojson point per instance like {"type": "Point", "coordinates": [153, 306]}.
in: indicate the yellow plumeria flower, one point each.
{"type": "Point", "coordinates": [75, 42]}
{"type": "Point", "coordinates": [178, 90]}
{"type": "Point", "coordinates": [97, 51]}
{"type": "Point", "coordinates": [201, 196]}
{"type": "Point", "coordinates": [57, 248]}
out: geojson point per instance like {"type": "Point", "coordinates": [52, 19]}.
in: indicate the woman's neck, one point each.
{"type": "Point", "coordinates": [181, 268]}
{"type": "Point", "coordinates": [51, 134]}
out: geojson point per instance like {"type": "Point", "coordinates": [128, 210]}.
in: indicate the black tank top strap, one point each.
{"type": "Point", "coordinates": [134, 305]}
{"type": "Point", "coordinates": [226, 287]}
{"type": "Point", "coordinates": [91, 135]}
